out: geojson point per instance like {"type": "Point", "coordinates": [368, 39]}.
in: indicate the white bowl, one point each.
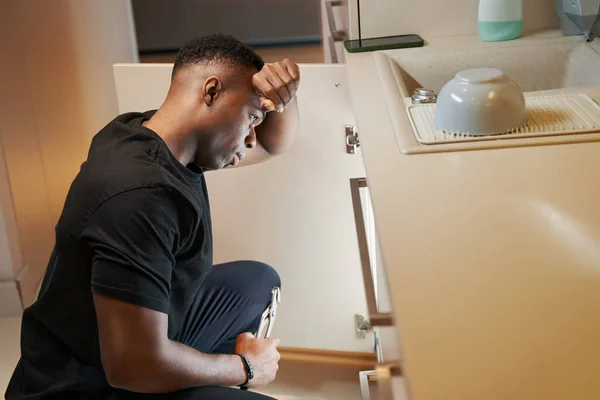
{"type": "Point", "coordinates": [481, 101]}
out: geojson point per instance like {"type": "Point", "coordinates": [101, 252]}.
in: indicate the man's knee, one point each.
{"type": "Point", "coordinates": [251, 279]}
{"type": "Point", "coordinates": [263, 278]}
{"type": "Point", "coordinates": [264, 273]}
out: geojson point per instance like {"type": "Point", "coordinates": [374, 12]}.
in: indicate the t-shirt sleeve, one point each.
{"type": "Point", "coordinates": [133, 236]}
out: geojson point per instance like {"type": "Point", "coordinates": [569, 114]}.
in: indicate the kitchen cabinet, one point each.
{"type": "Point", "coordinates": [53, 101]}
{"type": "Point", "coordinates": [10, 254]}
{"type": "Point", "coordinates": [491, 255]}
{"type": "Point", "coordinates": [167, 25]}
{"type": "Point", "coordinates": [294, 212]}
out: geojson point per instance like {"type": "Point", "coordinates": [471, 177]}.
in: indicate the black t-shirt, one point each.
{"type": "Point", "coordinates": [135, 227]}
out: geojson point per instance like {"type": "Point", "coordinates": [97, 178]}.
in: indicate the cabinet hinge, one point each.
{"type": "Point", "coordinates": [352, 141]}
{"type": "Point", "coordinates": [362, 326]}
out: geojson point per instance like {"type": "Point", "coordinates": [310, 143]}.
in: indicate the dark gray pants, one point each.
{"type": "Point", "coordinates": [231, 301]}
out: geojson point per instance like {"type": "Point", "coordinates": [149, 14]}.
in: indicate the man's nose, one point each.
{"type": "Point", "coordinates": [251, 139]}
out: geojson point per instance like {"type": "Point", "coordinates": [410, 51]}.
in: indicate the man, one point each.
{"type": "Point", "coordinates": [131, 306]}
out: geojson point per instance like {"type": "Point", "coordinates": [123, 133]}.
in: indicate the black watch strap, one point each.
{"type": "Point", "coordinates": [249, 372]}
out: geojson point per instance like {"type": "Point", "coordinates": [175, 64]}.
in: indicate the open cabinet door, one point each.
{"type": "Point", "coordinates": [293, 212]}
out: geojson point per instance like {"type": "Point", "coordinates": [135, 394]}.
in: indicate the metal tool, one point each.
{"type": "Point", "coordinates": [267, 320]}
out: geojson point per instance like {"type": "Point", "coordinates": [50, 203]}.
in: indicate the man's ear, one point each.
{"type": "Point", "coordinates": [211, 89]}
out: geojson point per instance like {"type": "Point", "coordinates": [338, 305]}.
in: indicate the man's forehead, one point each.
{"type": "Point", "coordinates": [256, 99]}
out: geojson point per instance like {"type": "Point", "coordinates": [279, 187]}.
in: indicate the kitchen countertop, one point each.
{"type": "Point", "coordinates": [442, 42]}
{"type": "Point", "coordinates": [426, 302]}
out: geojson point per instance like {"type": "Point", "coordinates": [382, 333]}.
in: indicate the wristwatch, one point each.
{"type": "Point", "coordinates": [249, 371]}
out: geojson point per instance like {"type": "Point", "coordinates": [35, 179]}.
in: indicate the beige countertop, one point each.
{"type": "Point", "coordinates": [446, 292]}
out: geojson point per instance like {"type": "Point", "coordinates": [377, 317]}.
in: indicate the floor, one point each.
{"type": "Point", "coordinates": [310, 54]}
{"type": "Point", "coordinates": [295, 380]}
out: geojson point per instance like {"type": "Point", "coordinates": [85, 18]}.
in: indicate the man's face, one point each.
{"type": "Point", "coordinates": [230, 126]}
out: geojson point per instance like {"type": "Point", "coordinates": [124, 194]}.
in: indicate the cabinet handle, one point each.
{"type": "Point", "coordinates": [376, 318]}
{"type": "Point", "coordinates": [338, 35]}
{"type": "Point", "coordinates": [383, 375]}
{"type": "Point", "coordinates": [333, 51]}
{"type": "Point", "coordinates": [363, 377]}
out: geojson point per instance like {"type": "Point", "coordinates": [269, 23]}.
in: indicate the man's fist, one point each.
{"type": "Point", "coordinates": [263, 356]}
{"type": "Point", "coordinates": [277, 84]}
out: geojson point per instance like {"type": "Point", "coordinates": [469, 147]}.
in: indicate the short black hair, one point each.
{"type": "Point", "coordinates": [218, 48]}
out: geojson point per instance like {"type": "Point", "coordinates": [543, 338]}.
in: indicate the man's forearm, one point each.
{"type": "Point", "coordinates": [178, 367]}
{"type": "Point", "coordinates": [279, 130]}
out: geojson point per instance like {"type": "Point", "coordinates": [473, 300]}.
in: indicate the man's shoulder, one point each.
{"type": "Point", "coordinates": [132, 189]}
{"type": "Point", "coordinates": [124, 155]}
{"type": "Point", "coordinates": [111, 176]}
{"type": "Point", "coordinates": [126, 158]}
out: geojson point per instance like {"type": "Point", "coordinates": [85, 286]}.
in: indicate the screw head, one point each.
{"type": "Point", "coordinates": [337, 84]}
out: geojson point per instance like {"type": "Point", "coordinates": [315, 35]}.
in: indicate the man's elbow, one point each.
{"type": "Point", "coordinates": [118, 378]}
{"type": "Point", "coordinates": [132, 375]}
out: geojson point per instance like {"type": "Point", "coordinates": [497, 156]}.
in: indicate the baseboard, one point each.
{"type": "Point", "coordinates": [330, 357]}
{"type": "Point", "coordinates": [10, 300]}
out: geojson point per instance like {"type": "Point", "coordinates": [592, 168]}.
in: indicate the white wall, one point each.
{"type": "Point", "coordinates": [438, 17]}
{"type": "Point", "coordinates": [57, 91]}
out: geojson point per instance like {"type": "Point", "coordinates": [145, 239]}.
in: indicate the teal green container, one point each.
{"type": "Point", "coordinates": [496, 31]}
{"type": "Point", "coordinates": [500, 20]}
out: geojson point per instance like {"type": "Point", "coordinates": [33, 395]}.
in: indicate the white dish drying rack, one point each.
{"type": "Point", "coordinates": [552, 115]}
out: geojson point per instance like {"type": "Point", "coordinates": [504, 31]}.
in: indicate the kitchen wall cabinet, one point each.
{"type": "Point", "coordinates": [168, 25]}
{"type": "Point", "coordinates": [294, 212]}
{"type": "Point", "coordinates": [429, 19]}
{"type": "Point", "coordinates": [438, 17]}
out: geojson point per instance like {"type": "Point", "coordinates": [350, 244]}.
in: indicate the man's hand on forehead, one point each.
{"type": "Point", "coordinates": [277, 84]}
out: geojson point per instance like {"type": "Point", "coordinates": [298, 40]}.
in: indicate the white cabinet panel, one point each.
{"type": "Point", "coordinates": [293, 212]}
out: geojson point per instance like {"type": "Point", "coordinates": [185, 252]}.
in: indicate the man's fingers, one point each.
{"type": "Point", "coordinates": [246, 335]}
{"type": "Point", "coordinates": [294, 72]}
{"type": "Point", "coordinates": [292, 69]}
{"type": "Point", "coordinates": [270, 98]}
{"type": "Point", "coordinates": [285, 75]}
{"type": "Point", "coordinates": [290, 82]}
{"type": "Point", "coordinates": [277, 82]}
{"type": "Point", "coordinates": [268, 91]}
{"type": "Point", "coordinates": [267, 105]}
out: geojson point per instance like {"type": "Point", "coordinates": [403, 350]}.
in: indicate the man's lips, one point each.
{"type": "Point", "coordinates": [237, 157]}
